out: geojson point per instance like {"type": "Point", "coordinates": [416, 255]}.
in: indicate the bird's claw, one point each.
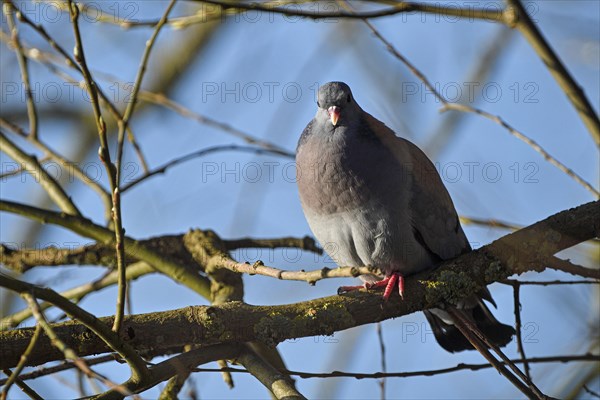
{"type": "Point", "coordinates": [346, 289]}
{"type": "Point", "coordinates": [388, 283]}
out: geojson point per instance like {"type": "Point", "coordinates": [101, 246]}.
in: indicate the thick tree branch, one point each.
{"type": "Point", "coordinates": [88, 321]}
{"type": "Point", "coordinates": [238, 322]}
{"type": "Point", "coordinates": [279, 385]}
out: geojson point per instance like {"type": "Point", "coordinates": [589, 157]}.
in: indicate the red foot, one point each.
{"type": "Point", "coordinates": [388, 283]}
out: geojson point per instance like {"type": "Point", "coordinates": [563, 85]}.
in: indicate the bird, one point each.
{"type": "Point", "coordinates": [373, 198]}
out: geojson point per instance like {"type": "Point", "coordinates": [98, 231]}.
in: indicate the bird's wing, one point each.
{"type": "Point", "coordinates": [434, 219]}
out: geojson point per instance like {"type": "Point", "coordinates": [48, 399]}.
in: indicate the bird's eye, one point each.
{"type": "Point", "coordinates": [349, 98]}
{"type": "Point", "coordinates": [318, 104]}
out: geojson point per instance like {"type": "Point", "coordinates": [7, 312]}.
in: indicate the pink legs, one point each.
{"type": "Point", "coordinates": [389, 283]}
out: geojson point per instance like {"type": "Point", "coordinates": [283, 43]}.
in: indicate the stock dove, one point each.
{"type": "Point", "coordinates": [372, 198]}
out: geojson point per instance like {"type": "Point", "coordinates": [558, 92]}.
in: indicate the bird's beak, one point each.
{"type": "Point", "coordinates": [334, 114]}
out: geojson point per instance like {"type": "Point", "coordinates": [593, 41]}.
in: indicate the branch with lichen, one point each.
{"type": "Point", "coordinates": [239, 322]}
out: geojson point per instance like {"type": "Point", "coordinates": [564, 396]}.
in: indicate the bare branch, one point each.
{"type": "Point", "coordinates": [160, 99]}
{"type": "Point", "coordinates": [331, 11]}
{"type": "Point", "coordinates": [517, 310]}
{"type": "Point", "coordinates": [446, 105]}
{"type": "Point", "coordinates": [558, 70]}
{"type": "Point", "coordinates": [33, 166]}
{"type": "Point", "coordinates": [71, 62]}
{"type": "Point", "coordinates": [9, 9]}
{"type": "Point", "coordinates": [258, 268]}
{"type": "Point", "coordinates": [479, 342]}
{"type": "Point", "coordinates": [493, 223]}
{"type": "Point", "coordinates": [239, 322]}
{"type": "Point", "coordinates": [115, 184]}
{"type": "Point", "coordinates": [166, 369]}
{"type": "Point", "coordinates": [134, 271]}
{"type": "Point", "coordinates": [22, 362]}
{"type": "Point", "coordinates": [549, 283]}
{"type": "Point", "coordinates": [197, 154]}
{"type": "Point", "coordinates": [532, 143]}
{"type": "Point", "coordinates": [334, 374]}
{"type": "Point", "coordinates": [24, 387]}
{"type": "Point", "coordinates": [432, 372]}
{"type": "Point", "coordinates": [103, 332]}
{"type": "Point", "coordinates": [277, 383]}
{"type": "Point", "coordinates": [69, 166]}
{"type": "Point", "coordinates": [133, 248]}
{"type": "Point", "coordinates": [573, 269]}
{"type": "Point", "coordinates": [306, 243]}
{"type": "Point", "coordinates": [68, 352]}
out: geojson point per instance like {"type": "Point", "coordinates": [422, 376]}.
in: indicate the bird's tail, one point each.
{"type": "Point", "coordinates": [450, 338]}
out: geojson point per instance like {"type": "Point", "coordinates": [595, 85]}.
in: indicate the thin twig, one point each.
{"type": "Point", "coordinates": [104, 154]}
{"type": "Point", "coordinates": [197, 154]}
{"type": "Point", "coordinates": [33, 167]}
{"type": "Point", "coordinates": [549, 283]}
{"type": "Point", "coordinates": [9, 9]}
{"type": "Point", "coordinates": [24, 387]}
{"type": "Point", "coordinates": [73, 168]}
{"type": "Point", "coordinates": [71, 62]}
{"type": "Point", "coordinates": [275, 381]}
{"type": "Point", "coordinates": [69, 353]}
{"type": "Point", "coordinates": [467, 330]}
{"type": "Point", "coordinates": [334, 374]}
{"type": "Point", "coordinates": [258, 268]}
{"type": "Point", "coordinates": [306, 243]}
{"type": "Point", "coordinates": [493, 223]}
{"type": "Point", "coordinates": [489, 14]}
{"type": "Point", "coordinates": [79, 56]}
{"type": "Point", "coordinates": [410, 374]}
{"type": "Point", "coordinates": [175, 270]}
{"type": "Point", "coordinates": [446, 105]}
{"type": "Point", "coordinates": [120, 255]}
{"type": "Point", "coordinates": [590, 391]}
{"type": "Point", "coordinates": [532, 143]}
{"type": "Point", "coordinates": [22, 362]}
{"type": "Point", "coordinates": [64, 366]}
{"type": "Point", "coordinates": [136, 363]}
{"type": "Point", "coordinates": [160, 99]}
{"type": "Point", "coordinates": [568, 267]}
{"type": "Point", "coordinates": [383, 361]}
{"type": "Point", "coordinates": [520, 347]}
{"type": "Point", "coordinates": [565, 80]}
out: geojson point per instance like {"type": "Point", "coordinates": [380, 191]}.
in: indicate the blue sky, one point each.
{"type": "Point", "coordinates": [259, 74]}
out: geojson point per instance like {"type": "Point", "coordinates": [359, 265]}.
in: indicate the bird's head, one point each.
{"type": "Point", "coordinates": [336, 104]}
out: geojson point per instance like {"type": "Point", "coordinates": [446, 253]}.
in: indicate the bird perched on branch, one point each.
{"type": "Point", "coordinates": [372, 198]}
